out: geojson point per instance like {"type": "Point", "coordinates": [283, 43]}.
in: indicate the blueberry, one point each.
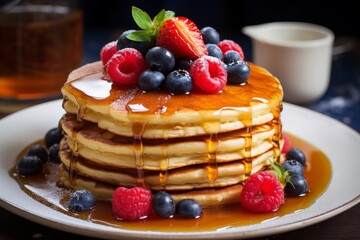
{"type": "Point", "coordinates": [238, 72]}
{"type": "Point", "coordinates": [163, 204]}
{"type": "Point", "coordinates": [29, 165]}
{"type": "Point", "coordinates": [231, 56]}
{"type": "Point", "coordinates": [81, 200]}
{"type": "Point", "coordinates": [183, 63]}
{"type": "Point", "coordinates": [52, 136]}
{"type": "Point", "coordinates": [210, 35]}
{"type": "Point", "coordinates": [294, 167]}
{"type": "Point", "coordinates": [151, 80]}
{"type": "Point", "coordinates": [188, 208]}
{"type": "Point", "coordinates": [298, 187]}
{"type": "Point", "coordinates": [179, 82]}
{"type": "Point", "coordinates": [160, 59]}
{"type": "Point", "coordinates": [214, 50]}
{"type": "Point", "coordinates": [297, 155]}
{"type": "Point", "coordinates": [40, 151]}
{"type": "Point", "coordinates": [124, 42]}
{"type": "Point", "coordinates": [54, 153]}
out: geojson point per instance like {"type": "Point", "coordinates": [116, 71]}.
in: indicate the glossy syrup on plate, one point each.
{"type": "Point", "coordinates": [44, 188]}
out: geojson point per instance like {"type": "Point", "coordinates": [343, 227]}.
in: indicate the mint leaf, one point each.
{"type": "Point", "coordinates": [140, 35]}
{"type": "Point", "coordinates": [277, 168]}
{"type": "Point", "coordinates": [169, 14]}
{"type": "Point", "coordinates": [279, 172]}
{"type": "Point", "coordinates": [141, 18]}
{"type": "Point", "coordinates": [149, 27]}
{"type": "Point", "coordinates": [159, 18]}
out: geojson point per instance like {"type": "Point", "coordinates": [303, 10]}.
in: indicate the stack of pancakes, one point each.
{"type": "Point", "coordinates": [200, 146]}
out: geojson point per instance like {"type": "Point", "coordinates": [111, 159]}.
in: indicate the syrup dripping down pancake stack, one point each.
{"type": "Point", "coordinates": [200, 146]}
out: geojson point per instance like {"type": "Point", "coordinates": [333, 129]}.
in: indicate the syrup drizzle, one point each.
{"type": "Point", "coordinates": [212, 161]}
{"type": "Point", "coordinates": [248, 141]}
{"type": "Point", "coordinates": [164, 162]}
{"type": "Point", "coordinates": [138, 130]}
{"type": "Point", "coordinates": [276, 123]}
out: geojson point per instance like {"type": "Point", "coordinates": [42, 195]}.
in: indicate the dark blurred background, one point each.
{"type": "Point", "coordinates": [342, 17]}
{"type": "Point", "coordinates": [227, 16]}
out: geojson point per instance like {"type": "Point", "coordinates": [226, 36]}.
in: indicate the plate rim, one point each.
{"type": "Point", "coordinates": [83, 227]}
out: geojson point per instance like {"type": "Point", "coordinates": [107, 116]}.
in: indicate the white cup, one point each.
{"type": "Point", "coordinates": [299, 54]}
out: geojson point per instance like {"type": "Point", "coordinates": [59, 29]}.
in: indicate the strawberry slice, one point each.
{"type": "Point", "coordinates": [182, 37]}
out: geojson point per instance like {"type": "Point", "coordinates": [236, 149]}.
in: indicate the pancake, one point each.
{"type": "Point", "coordinates": [207, 197]}
{"type": "Point", "coordinates": [189, 177]}
{"type": "Point", "coordinates": [198, 145]}
{"type": "Point", "coordinates": [105, 148]}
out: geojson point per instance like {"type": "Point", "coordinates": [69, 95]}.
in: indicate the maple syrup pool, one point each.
{"type": "Point", "coordinates": [43, 188]}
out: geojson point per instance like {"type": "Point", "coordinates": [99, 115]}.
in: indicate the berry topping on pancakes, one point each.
{"type": "Point", "coordinates": [182, 37]}
{"type": "Point", "coordinates": [209, 74]}
{"type": "Point", "coordinates": [227, 45]}
{"type": "Point", "coordinates": [108, 51]}
{"type": "Point", "coordinates": [169, 44]}
{"type": "Point", "coordinates": [125, 66]}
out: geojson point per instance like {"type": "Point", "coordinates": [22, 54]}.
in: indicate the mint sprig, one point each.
{"type": "Point", "coordinates": [149, 28]}
{"type": "Point", "coordinates": [141, 18]}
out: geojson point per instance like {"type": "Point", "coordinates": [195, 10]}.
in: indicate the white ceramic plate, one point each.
{"type": "Point", "coordinates": [339, 142]}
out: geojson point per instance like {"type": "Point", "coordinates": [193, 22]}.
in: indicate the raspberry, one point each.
{"type": "Point", "coordinates": [125, 66]}
{"type": "Point", "coordinates": [262, 192]}
{"type": "Point", "coordinates": [208, 74]}
{"type": "Point", "coordinates": [108, 51]}
{"type": "Point", "coordinates": [287, 144]}
{"type": "Point", "coordinates": [227, 45]}
{"type": "Point", "coordinates": [131, 203]}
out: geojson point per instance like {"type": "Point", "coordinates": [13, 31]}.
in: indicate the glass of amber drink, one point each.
{"type": "Point", "coordinates": [40, 43]}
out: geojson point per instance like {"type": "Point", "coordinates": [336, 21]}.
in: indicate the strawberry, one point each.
{"type": "Point", "coordinates": [178, 34]}
{"type": "Point", "coordinates": [131, 203]}
{"type": "Point", "coordinates": [125, 66]}
{"type": "Point", "coordinates": [208, 74]}
{"type": "Point", "coordinates": [182, 37]}
{"type": "Point", "coordinates": [262, 192]}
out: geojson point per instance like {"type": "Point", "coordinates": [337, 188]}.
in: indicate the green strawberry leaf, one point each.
{"type": "Point", "coordinates": [141, 18]}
